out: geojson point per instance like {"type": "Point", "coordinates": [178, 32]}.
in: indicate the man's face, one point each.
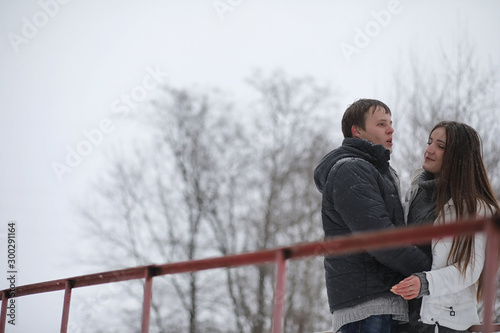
{"type": "Point", "coordinates": [378, 128]}
{"type": "Point", "coordinates": [436, 145]}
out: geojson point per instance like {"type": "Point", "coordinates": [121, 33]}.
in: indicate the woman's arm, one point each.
{"type": "Point", "coordinates": [446, 280]}
{"type": "Point", "coordinates": [449, 279]}
{"type": "Point", "coordinates": [409, 288]}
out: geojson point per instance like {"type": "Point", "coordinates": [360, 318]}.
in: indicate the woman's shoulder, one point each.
{"type": "Point", "coordinates": [415, 175]}
{"type": "Point", "coordinates": [412, 190]}
{"type": "Point", "coordinates": [483, 209]}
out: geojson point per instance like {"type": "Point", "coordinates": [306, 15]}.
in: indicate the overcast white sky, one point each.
{"type": "Point", "coordinates": [65, 66]}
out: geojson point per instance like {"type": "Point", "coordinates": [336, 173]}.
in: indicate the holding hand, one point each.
{"type": "Point", "coordinates": [409, 288]}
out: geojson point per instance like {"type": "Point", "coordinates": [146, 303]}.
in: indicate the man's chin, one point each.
{"type": "Point", "coordinates": [386, 145]}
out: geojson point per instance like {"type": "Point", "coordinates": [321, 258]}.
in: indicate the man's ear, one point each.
{"type": "Point", "coordinates": [355, 132]}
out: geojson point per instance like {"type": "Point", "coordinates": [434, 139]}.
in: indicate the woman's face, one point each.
{"type": "Point", "coordinates": [433, 157]}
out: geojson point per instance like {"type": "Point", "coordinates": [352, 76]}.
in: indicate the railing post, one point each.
{"type": "Point", "coordinates": [490, 273]}
{"type": "Point", "coordinates": [146, 305]}
{"type": "Point", "coordinates": [66, 306]}
{"type": "Point", "coordinates": [3, 314]}
{"type": "Point", "coordinates": [279, 292]}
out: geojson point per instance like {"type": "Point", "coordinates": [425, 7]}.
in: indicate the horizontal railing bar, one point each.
{"type": "Point", "coordinates": [111, 276]}
{"type": "Point", "coordinates": [387, 238]}
{"type": "Point", "coordinates": [341, 244]}
{"type": "Point", "coordinates": [236, 260]}
{"type": "Point", "coordinates": [83, 281]}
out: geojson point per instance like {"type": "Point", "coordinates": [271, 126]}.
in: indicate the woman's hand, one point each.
{"type": "Point", "coordinates": [409, 288]}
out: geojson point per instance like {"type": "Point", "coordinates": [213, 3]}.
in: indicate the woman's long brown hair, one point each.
{"type": "Point", "coordinates": [463, 178]}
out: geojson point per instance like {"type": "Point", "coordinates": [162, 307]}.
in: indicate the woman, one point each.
{"type": "Point", "coordinates": [461, 190]}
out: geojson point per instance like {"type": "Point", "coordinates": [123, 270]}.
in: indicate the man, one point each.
{"type": "Point", "coordinates": [360, 193]}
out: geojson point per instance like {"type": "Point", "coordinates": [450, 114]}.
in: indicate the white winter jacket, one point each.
{"type": "Point", "coordinates": [452, 300]}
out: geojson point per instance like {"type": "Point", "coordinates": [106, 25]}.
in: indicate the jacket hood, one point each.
{"type": "Point", "coordinates": [376, 154]}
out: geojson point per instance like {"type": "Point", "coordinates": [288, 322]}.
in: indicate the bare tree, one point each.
{"type": "Point", "coordinates": [292, 137]}
{"type": "Point", "coordinates": [205, 183]}
{"type": "Point", "coordinates": [159, 199]}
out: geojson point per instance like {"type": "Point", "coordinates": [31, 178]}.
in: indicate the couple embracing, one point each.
{"type": "Point", "coordinates": [433, 287]}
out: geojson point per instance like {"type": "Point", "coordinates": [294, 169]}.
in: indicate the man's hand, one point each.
{"type": "Point", "coordinates": [409, 288]}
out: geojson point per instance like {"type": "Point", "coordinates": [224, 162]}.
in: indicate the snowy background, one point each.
{"type": "Point", "coordinates": [67, 68]}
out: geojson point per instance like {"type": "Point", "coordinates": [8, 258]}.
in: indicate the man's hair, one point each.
{"type": "Point", "coordinates": [355, 114]}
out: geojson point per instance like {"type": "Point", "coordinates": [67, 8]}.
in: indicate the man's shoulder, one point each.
{"type": "Point", "coordinates": [352, 169]}
{"type": "Point", "coordinates": [351, 163]}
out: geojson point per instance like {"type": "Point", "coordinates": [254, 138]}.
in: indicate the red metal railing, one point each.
{"type": "Point", "coordinates": [333, 246]}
